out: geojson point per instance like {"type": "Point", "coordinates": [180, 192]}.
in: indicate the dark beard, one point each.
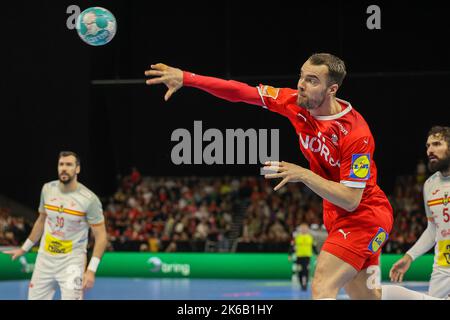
{"type": "Point", "coordinates": [69, 180]}
{"type": "Point", "coordinates": [440, 165]}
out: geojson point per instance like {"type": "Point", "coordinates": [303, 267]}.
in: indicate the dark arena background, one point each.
{"type": "Point", "coordinates": [199, 231]}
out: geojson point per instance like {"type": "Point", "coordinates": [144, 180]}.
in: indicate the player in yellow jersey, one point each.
{"type": "Point", "coordinates": [66, 212]}
{"type": "Point", "coordinates": [303, 246]}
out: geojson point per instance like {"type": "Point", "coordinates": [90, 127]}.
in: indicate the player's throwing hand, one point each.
{"type": "Point", "coordinates": [288, 171]}
{"type": "Point", "coordinates": [399, 268]}
{"type": "Point", "coordinates": [171, 77]}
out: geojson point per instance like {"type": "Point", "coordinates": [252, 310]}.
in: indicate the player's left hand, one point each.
{"type": "Point", "coordinates": [288, 171]}
{"type": "Point", "coordinates": [88, 279]}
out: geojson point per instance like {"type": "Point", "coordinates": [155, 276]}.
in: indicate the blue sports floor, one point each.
{"type": "Point", "coordinates": [185, 289]}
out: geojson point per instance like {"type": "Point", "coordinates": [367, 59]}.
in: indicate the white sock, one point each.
{"type": "Point", "coordinates": [389, 292]}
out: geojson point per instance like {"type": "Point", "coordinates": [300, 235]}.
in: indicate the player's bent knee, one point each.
{"type": "Point", "coordinates": [323, 289]}
{"type": "Point", "coordinates": [317, 284]}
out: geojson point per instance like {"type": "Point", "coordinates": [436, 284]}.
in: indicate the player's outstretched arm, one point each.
{"type": "Point", "coordinates": [175, 78]}
{"type": "Point", "coordinates": [34, 236]}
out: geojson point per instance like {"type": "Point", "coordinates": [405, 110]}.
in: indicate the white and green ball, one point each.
{"type": "Point", "coordinates": [96, 26]}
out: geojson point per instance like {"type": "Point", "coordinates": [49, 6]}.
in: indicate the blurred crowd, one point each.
{"type": "Point", "coordinates": [164, 213]}
{"type": "Point", "coordinates": [13, 230]}
{"type": "Point", "coordinates": [273, 216]}
{"type": "Point", "coordinates": [409, 213]}
{"type": "Point", "coordinates": [170, 214]}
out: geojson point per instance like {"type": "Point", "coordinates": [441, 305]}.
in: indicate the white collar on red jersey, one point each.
{"type": "Point", "coordinates": [337, 115]}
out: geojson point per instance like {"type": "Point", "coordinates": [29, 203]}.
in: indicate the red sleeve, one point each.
{"type": "Point", "coordinates": [280, 100]}
{"type": "Point", "coordinates": [356, 161]}
{"type": "Point", "coordinates": [230, 90]}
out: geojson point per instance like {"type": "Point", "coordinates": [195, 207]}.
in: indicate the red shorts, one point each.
{"type": "Point", "coordinates": [357, 237]}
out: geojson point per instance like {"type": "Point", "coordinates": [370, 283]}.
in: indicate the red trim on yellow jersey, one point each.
{"type": "Point", "coordinates": [68, 211]}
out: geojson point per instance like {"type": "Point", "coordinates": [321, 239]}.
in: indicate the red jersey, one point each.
{"type": "Point", "coordinates": [339, 147]}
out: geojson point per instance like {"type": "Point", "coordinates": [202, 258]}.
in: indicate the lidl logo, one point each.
{"type": "Point", "coordinates": [360, 166]}
{"type": "Point", "coordinates": [378, 240]}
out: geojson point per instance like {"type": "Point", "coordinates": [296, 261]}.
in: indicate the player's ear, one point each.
{"type": "Point", "coordinates": [78, 169]}
{"type": "Point", "coordinates": [333, 89]}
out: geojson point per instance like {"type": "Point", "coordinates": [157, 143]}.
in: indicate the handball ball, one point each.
{"type": "Point", "coordinates": [96, 26]}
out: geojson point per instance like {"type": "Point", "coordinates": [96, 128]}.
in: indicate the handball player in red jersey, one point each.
{"type": "Point", "coordinates": [338, 144]}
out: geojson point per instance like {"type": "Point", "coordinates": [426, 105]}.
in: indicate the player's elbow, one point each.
{"type": "Point", "coordinates": [353, 199]}
{"type": "Point", "coordinates": [352, 206]}
{"type": "Point", "coordinates": [103, 238]}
